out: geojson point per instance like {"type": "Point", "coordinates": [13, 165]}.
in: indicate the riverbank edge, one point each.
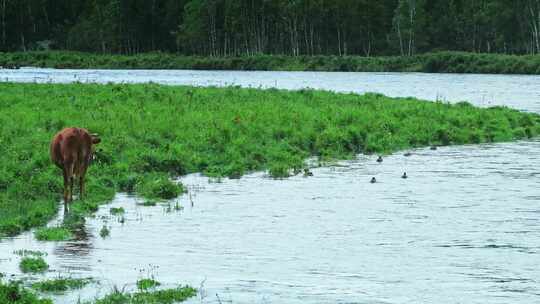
{"type": "Point", "coordinates": [439, 62]}
{"type": "Point", "coordinates": [16, 292]}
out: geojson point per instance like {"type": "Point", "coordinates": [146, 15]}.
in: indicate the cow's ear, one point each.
{"type": "Point", "coordinates": [95, 139]}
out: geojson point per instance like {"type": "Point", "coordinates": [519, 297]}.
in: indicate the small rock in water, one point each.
{"type": "Point", "coordinates": [373, 180]}
{"type": "Point", "coordinates": [307, 172]}
{"type": "Point", "coordinates": [433, 147]}
{"type": "Point", "coordinates": [404, 175]}
{"type": "Point", "coordinates": [407, 154]}
{"type": "Point", "coordinates": [379, 160]}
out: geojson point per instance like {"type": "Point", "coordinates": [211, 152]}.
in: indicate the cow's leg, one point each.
{"type": "Point", "coordinates": [81, 186]}
{"type": "Point", "coordinates": [71, 188]}
{"type": "Point", "coordinates": [66, 189]}
{"type": "Point", "coordinates": [68, 181]}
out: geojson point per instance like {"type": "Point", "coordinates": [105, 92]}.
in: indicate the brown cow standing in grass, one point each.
{"type": "Point", "coordinates": [71, 151]}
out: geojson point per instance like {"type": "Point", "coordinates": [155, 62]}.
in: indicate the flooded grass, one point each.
{"type": "Point", "coordinates": [31, 264]}
{"type": "Point", "coordinates": [14, 293]}
{"type": "Point", "coordinates": [148, 203]}
{"type": "Point", "coordinates": [166, 296]}
{"type": "Point", "coordinates": [104, 232]}
{"type": "Point", "coordinates": [117, 211]}
{"type": "Point", "coordinates": [60, 285]}
{"type": "Point", "coordinates": [152, 133]}
{"type": "Point", "coordinates": [146, 284]}
{"type": "Point", "coordinates": [159, 187]}
{"type": "Point", "coordinates": [53, 234]}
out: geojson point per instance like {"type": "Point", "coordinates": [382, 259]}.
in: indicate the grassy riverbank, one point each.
{"type": "Point", "coordinates": [15, 293]}
{"type": "Point", "coordinates": [442, 62]}
{"type": "Point", "coordinates": [152, 132]}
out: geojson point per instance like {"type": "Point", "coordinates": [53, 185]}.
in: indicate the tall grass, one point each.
{"type": "Point", "coordinates": [151, 133]}
{"type": "Point", "coordinates": [448, 62]}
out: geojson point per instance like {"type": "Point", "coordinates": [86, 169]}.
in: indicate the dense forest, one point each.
{"type": "Point", "coordinates": [286, 27]}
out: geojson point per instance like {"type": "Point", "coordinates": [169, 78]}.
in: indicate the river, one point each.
{"type": "Point", "coordinates": [463, 228]}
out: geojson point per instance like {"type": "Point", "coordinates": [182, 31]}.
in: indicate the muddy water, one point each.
{"type": "Point", "coordinates": [516, 91]}
{"type": "Point", "coordinates": [463, 228]}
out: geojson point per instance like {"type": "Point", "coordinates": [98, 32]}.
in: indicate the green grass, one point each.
{"type": "Point", "coordinates": [146, 284]}
{"type": "Point", "coordinates": [151, 133]}
{"type": "Point", "coordinates": [166, 296]}
{"type": "Point", "coordinates": [117, 211]}
{"type": "Point", "coordinates": [104, 231]}
{"type": "Point", "coordinates": [33, 265]}
{"type": "Point", "coordinates": [449, 62]}
{"type": "Point", "coordinates": [157, 186]}
{"type": "Point", "coordinates": [60, 285]}
{"type": "Point", "coordinates": [15, 293]}
{"type": "Point", "coordinates": [53, 234]}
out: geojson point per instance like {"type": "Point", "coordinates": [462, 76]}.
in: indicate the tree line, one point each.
{"type": "Point", "coordinates": [285, 27]}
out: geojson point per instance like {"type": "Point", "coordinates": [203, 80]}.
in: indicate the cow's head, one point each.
{"type": "Point", "coordinates": [95, 138]}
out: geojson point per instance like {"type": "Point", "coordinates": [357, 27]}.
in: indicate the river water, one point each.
{"type": "Point", "coordinates": [517, 91]}
{"type": "Point", "coordinates": [463, 228]}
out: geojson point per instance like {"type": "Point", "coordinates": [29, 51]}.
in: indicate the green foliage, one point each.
{"type": "Point", "coordinates": [158, 186]}
{"type": "Point", "coordinates": [33, 265]}
{"type": "Point", "coordinates": [14, 293]}
{"type": "Point", "coordinates": [248, 28]}
{"type": "Point", "coordinates": [146, 284]}
{"type": "Point", "coordinates": [53, 234]}
{"type": "Point", "coordinates": [117, 211]}
{"type": "Point", "coordinates": [152, 133]}
{"type": "Point", "coordinates": [167, 296]}
{"type": "Point", "coordinates": [60, 285]}
{"type": "Point", "coordinates": [459, 62]}
{"type": "Point", "coordinates": [104, 231]}
{"type": "Point", "coordinates": [439, 62]}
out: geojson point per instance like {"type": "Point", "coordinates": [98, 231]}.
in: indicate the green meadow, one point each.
{"type": "Point", "coordinates": [152, 133]}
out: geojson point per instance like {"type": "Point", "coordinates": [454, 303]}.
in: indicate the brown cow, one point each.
{"type": "Point", "coordinates": [71, 151]}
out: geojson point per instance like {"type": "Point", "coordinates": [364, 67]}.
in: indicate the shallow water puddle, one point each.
{"type": "Point", "coordinates": [464, 227]}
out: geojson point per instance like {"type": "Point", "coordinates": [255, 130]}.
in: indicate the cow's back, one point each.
{"type": "Point", "coordinates": [71, 146]}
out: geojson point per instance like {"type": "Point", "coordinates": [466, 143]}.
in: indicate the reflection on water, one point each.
{"type": "Point", "coordinates": [463, 228]}
{"type": "Point", "coordinates": [516, 91]}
